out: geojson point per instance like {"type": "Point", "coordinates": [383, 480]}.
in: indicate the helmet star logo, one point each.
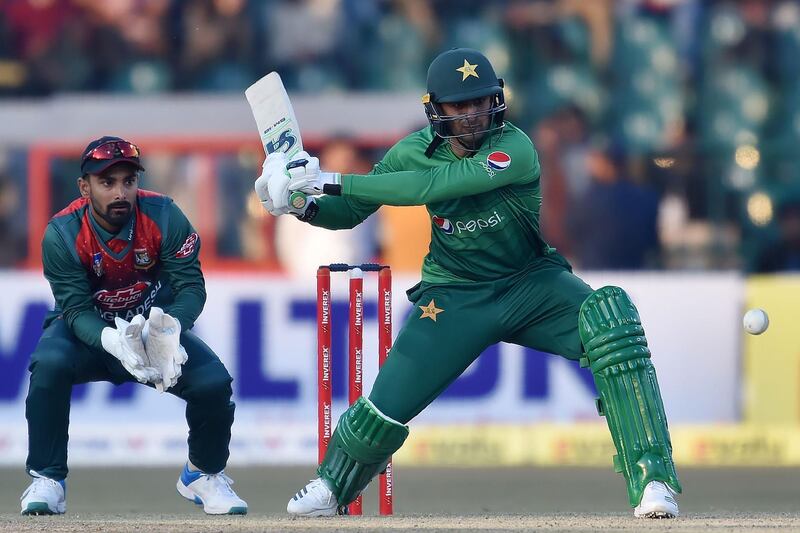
{"type": "Point", "coordinates": [468, 70]}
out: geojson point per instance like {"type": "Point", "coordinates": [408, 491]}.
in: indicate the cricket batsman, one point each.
{"type": "Point", "coordinates": [112, 257]}
{"type": "Point", "coordinates": [489, 277]}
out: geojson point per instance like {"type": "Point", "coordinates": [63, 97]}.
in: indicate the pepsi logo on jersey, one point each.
{"type": "Point", "coordinates": [498, 161]}
{"type": "Point", "coordinates": [444, 224]}
{"type": "Point", "coordinates": [470, 225]}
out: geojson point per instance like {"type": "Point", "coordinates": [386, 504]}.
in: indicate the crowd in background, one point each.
{"type": "Point", "coordinates": [667, 129]}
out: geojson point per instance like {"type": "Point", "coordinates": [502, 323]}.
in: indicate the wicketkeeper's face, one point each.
{"type": "Point", "coordinates": [111, 194]}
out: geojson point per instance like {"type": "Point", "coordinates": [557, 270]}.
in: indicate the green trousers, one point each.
{"type": "Point", "coordinates": [452, 324]}
{"type": "Point", "coordinates": [61, 361]}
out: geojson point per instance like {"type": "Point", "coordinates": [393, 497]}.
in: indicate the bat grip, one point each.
{"type": "Point", "coordinates": [298, 200]}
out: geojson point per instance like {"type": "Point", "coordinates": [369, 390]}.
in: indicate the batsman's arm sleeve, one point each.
{"type": "Point", "coordinates": [71, 290]}
{"type": "Point", "coordinates": [180, 262]}
{"type": "Point", "coordinates": [464, 177]}
{"type": "Point", "coordinates": [339, 212]}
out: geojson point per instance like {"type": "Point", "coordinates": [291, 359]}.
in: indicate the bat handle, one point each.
{"type": "Point", "coordinates": [298, 200]}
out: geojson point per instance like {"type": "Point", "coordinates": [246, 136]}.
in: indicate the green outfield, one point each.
{"type": "Point", "coordinates": [429, 499]}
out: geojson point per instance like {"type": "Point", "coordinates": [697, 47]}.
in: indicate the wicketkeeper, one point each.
{"type": "Point", "coordinates": [114, 256]}
{"type": "Point", "coordinates": [489, 277]}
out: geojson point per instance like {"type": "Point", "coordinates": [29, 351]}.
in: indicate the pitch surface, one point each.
{"type": "Point", "coordinates": [520, 499]}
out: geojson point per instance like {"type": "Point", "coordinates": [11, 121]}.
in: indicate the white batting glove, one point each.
{"type": "Point", "coordinates": [283, 199]}
{"type": "Point", "coordinates": [162, 336]}
{"type": "Point", "coordinates": [307, 178]}
{"type": "Point", "coordinates": [274, 161]}
{"type": "Point", "coordinates": [126, 344]}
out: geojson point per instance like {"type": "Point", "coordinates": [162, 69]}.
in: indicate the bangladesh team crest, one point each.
{"type": "Point", "coordinates": [498, 161]}
{"type": "Point", "coordinates": [142, 258]}
{"type": "Point", "coordinates": [444, 224]}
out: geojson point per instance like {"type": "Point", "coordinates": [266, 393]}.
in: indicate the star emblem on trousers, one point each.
{"type": "Point", "coordinates": [430, 311]}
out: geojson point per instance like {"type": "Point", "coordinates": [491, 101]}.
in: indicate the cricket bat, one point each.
{"type": "Point", "coordinates": [277, 125]}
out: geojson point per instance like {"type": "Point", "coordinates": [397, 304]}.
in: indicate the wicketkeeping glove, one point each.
{"type": "Point", "coordinates": [125, 343]}
{"type": "Point", "coordinates": [162, 342]}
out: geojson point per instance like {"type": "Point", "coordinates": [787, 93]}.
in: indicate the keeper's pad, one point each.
{"type": "Point", "coordinates": [360, 449]}
{"type": "Point", "coordinates": [617, 354]}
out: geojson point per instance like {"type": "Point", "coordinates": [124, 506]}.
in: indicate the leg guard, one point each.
{"type": "Point", "coordinates": [617, 353]}
{"type": "Point", "coordinates": [360, 449]}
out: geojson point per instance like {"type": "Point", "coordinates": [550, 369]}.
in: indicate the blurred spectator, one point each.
{"type": "Point", "coordinates": [783, 254]}
{"type": "Point", "coordinates": [129, 44]}
{"type": "Point", "coordinates": [300, 42]}
{"type": "Point", "coordinates": [34, 30]}
{"type": "Point", "coordinates": [543, 17]}
{"type": "Point", "coordinates": [757, 42]}
{"type": "Point", "coordinates": [613, 224]}
{"type": "Point", "coordinates": [217, 40]}
{"type": "Point", "coordinates": [398, 58]}
{"type": "Point", "coordinates": [180, 177]}
{"type": "Point", "coordinates": [13, 242]}
{"type": "Point", "coordinates": [35, 24]}
{"type": "Point", "coordinates": [356, 38]}
{"type": "Point", "coordinates": [234, 186]}
{"type": "Point", "coordinates": [559, 52]}
{"type": "Point", "coordinates": [562, 141]}
{"type": "Point", "coordinates": [684, 19]}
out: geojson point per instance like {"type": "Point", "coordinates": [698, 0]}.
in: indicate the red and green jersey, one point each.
{"type": "Point", "coordinates": [484, 209]}
{"type": "Point", "coordinates": [96, 275]}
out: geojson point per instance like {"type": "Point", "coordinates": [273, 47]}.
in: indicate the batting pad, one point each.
{"type": "Point", "coordinates": [360, 449]}
{"type": "Point", "coordinates": [618, 356]}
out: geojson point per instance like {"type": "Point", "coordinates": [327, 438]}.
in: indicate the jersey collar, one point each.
{"type": "Point", "coordinates": [104, 236]}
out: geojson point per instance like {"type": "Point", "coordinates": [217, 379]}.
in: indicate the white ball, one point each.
{"type": "Point", "coordinates": [755, 321]}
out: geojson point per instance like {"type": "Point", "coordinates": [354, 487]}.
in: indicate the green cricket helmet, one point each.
{"type": "Point", "coordinates": [457, 75]}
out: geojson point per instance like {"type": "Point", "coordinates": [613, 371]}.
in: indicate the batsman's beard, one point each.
{"type": "Point", "coordinates": [472, 133]}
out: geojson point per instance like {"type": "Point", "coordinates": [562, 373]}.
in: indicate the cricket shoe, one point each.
{"type": "Point", "coordinates": [658, 501]}
{"type": "Point", "coordinates": [212, 491]}
{"type": "Point", "coordinates": [44, 496]}
{"type": "Point", "coordinates": [315, 499]}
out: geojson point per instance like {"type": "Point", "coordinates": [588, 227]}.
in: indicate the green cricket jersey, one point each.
{"type": "Point", "coordinates": [484, 209]}
{"type": "Point", "coordinates": [96, 276]}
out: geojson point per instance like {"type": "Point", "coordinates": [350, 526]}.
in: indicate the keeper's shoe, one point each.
{"type": "Point", "coordinates": [44, 496]}
{"type": "Point", "coordinates": [315, 499]}
{"type": "Point", "coordinates": [212, 491]}
{"type": "Point", "coordinates": [658, 501]}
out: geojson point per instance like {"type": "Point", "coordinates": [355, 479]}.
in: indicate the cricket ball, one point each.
{"type": "Point", "coordinates": [755, 321]}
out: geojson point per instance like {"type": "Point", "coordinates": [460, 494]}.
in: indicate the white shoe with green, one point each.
{"type": "Point", "coordinates": [44, 496]}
